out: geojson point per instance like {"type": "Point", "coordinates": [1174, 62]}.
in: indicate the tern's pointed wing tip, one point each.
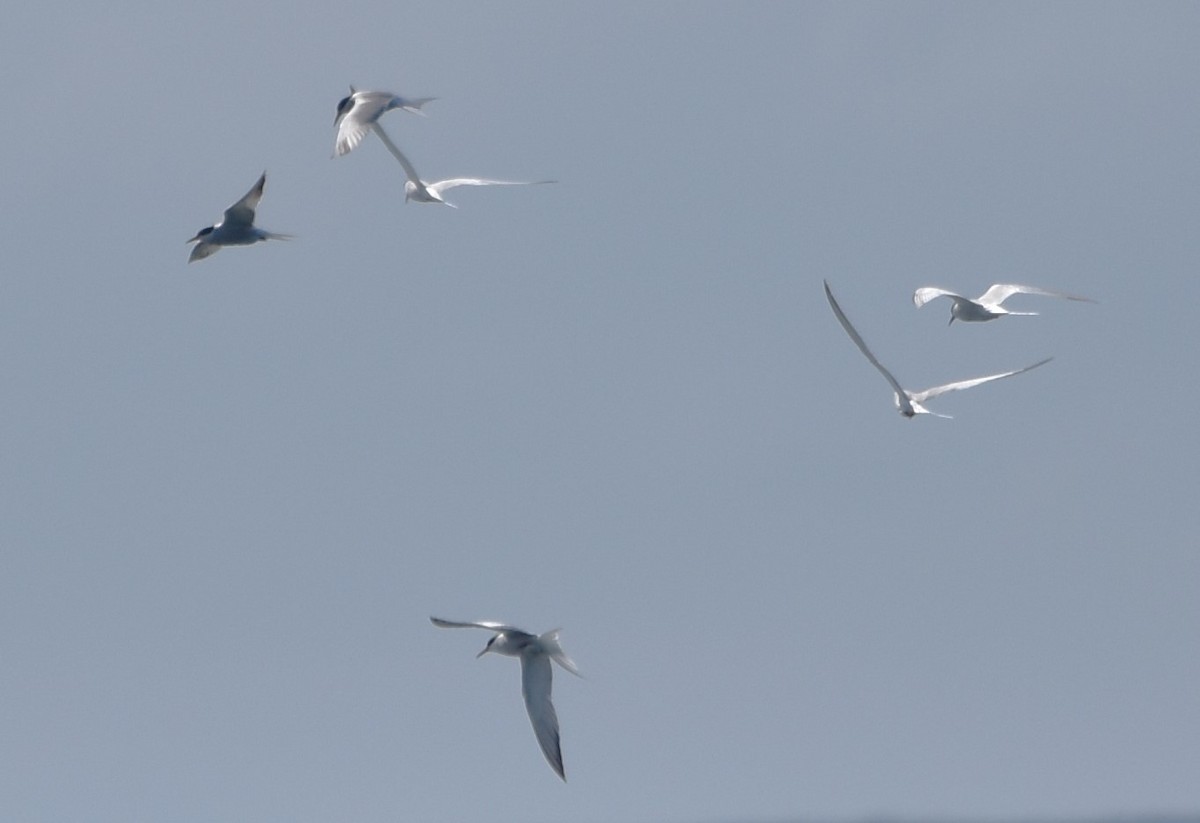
{"type": "Point", "coordinates": [853, 334]}
{"type": "Point", "coordinates": [488, 625]}
{"type": "Point", "coordinates": [958, 385]}
{"type": "Point", "coordinates": [536, 679]}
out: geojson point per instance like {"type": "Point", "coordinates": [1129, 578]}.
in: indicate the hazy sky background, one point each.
{"type": "Point", "coordinates": [233, 492]}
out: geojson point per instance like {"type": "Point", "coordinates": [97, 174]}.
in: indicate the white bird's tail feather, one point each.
{"type": "Point", "coordinates": [549, 641]}
{"type": "Point", "coordinates": [415, 105]}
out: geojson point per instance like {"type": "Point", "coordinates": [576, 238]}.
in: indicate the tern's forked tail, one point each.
{"type": "Point", "coordinates": [551, 645]}
{"type": "Point", "coordinates": [415, 105]}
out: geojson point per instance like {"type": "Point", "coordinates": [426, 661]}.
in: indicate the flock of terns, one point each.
{"type": "Point", "coordinates": [357, 115]}
{"type": "Point", "coordinates": [981, 309]}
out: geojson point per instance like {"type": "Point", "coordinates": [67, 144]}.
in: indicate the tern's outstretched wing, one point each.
{"type": "Point", "coordinates": [922, 396]}
{"type": "Point", "coordinates": [1000, 292]}
{"type": "Point", "coordinates": [399, 155]}
{"type": "Point", "coordinates": [442, 185]}
{"type": "Point", "coordinates": [901, 395]}
{"type": "Point", "coordinates": [202, 250]}
{"type": "Point", "coordinates": [241, 213]}
{"type": "Point", "coordinates": [535, 686]}
{"type": "Point", "coordinates": [923, 295]}
{"type": "Point", "coordinates": [350, 134]}
{"type": "Point", "coordinates": [490, 625]}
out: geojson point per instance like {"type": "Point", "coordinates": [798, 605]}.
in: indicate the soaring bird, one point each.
{"type": "Point", "coordinates": [909, 402]}
{"type": "Point", "coordinates": [987, 305]}
{"type": "Point", "coordinates": [359, 110]}
{"type": "Point", "coordinates": [235, 228]}
{"type": "Point", "coordinates": [535, 652]}
{"type": "Point", "coordinates": [425, 192]}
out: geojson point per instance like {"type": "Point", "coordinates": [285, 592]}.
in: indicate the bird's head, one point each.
{"type": "Point", "coordinates": [202, 233]}
{"type": "Point", "coordinates": [959, 310]}
{"type": "Point", "coordinates": [489, 645]}
{"type": "Point", "coordinates": [344, 105]}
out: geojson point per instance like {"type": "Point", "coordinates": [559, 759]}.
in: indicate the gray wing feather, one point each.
{"type": "Point", "coordinates": [490, 625]}
{"type": "Point", "coordinates": [1000, 292]}
{"type": "Point", "coordinates": [535, 686]}
{"type": "Point", "coordinates": [399, 155]}
{"type": "Point", "coordinates": [923, 295]}
{"type": "Point", "coordinates": [350, 134]}
{"type": "Point", "coordinates": [862, 346]}
{"type": "Point", "coordinates": [242, 212]}
{"type": "Point", "coordinates": [442, 185]}
{"type": "Point", "coordinates": [922, 396]}
{"type": "Point", "coordinates": [202, 250]}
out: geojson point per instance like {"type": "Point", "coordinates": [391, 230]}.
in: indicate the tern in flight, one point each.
{"type": "Point", "coordinates": [423, 192]}
{"type": "Point", "coordinates": [536, 652]}
{"type": "Point", "coordinates": [910, 402]}
{"type": "Point", "coordinates": [987, 305]}
{"type": "Point", "coordinates": [360, 110]}
{"type": "Point", "coordinates": [235, 228]}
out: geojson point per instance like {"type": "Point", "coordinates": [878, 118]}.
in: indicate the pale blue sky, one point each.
{"type": "Point", "coordinates": [232, 493]}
